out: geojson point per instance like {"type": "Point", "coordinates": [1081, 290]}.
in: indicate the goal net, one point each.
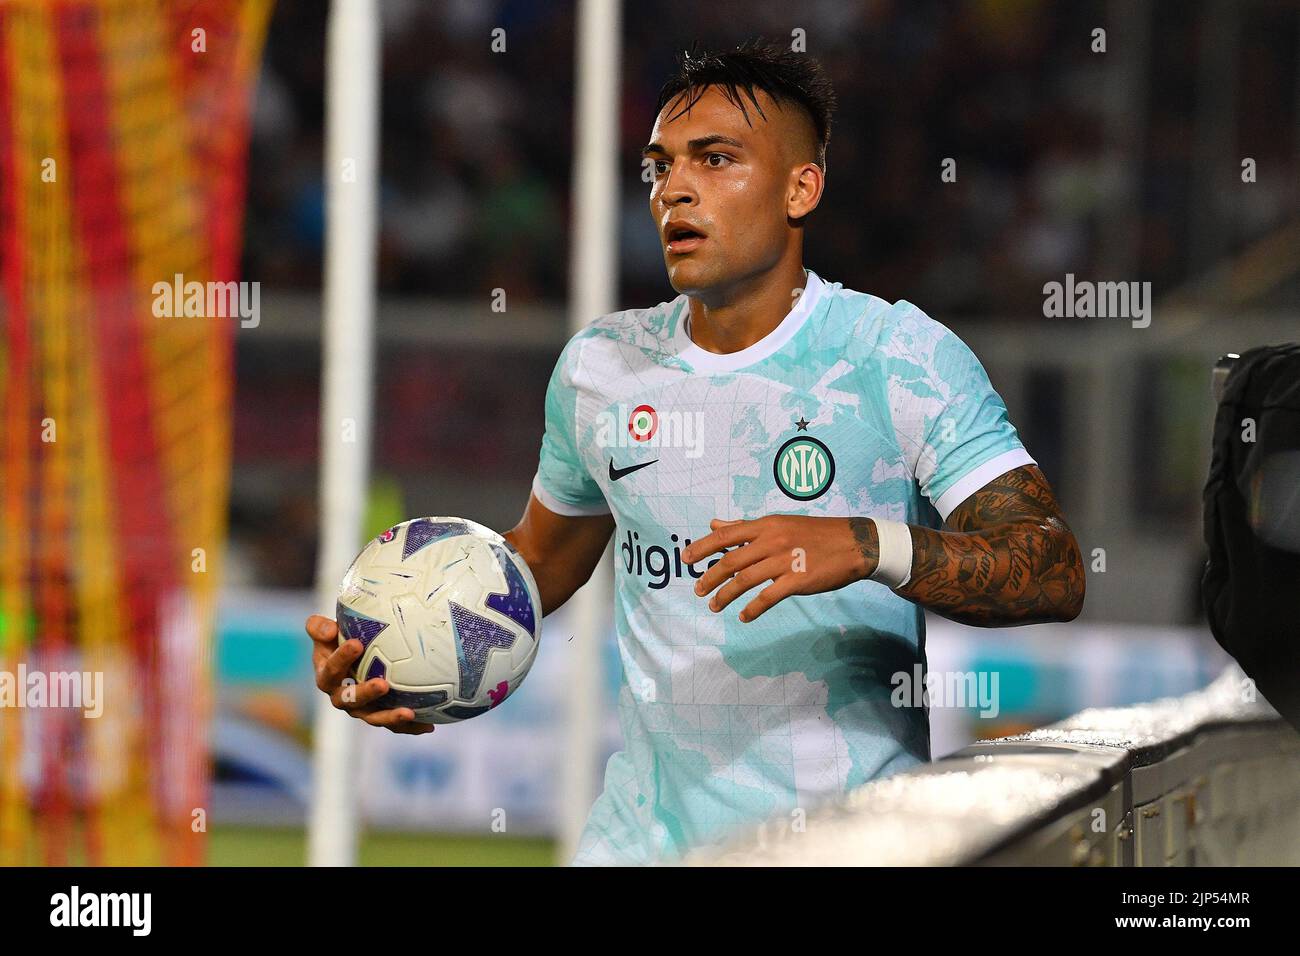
{"type": "Point", "coordinates": [123, 135]}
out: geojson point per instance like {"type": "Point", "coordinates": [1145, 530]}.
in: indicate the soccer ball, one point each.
{"type": "Point", "coordinates": [449, 614]}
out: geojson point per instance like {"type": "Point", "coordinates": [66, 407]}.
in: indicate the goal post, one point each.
{"type": "Point", "coordinates": [593, 286]}
{"type": "Point", "coordinates": [351, 190]}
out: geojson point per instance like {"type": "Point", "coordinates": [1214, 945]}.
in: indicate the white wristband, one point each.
{"type": "Point", "coordinates": [895, 565]}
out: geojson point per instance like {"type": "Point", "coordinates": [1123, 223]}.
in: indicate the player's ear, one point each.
{"type": "Point", "coordinates": [806, 185]}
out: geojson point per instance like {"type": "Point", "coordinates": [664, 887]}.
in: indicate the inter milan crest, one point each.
{"type": "Point", "coordinates": [804, 468]}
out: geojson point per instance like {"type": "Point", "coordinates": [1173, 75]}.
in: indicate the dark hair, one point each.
{"type": "Point", "coordinates": [776, 70]}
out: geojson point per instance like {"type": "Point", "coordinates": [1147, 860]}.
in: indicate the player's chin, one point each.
{"type": "Point", "coordinates": [688, 275]}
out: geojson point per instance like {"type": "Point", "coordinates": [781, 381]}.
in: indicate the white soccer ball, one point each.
{"type": "Point", "coordinates": [449, 614]}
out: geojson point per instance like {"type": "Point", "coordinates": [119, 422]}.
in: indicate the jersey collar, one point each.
{"type": "Point", "coordinates": [707, 361]}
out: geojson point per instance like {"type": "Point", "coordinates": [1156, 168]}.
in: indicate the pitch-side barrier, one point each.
{"type": "Point", "coordinates": [1211, 778]}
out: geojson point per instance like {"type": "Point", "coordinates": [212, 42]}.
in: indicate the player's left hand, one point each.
{"type": "Point", "coordinates": [799, 554]}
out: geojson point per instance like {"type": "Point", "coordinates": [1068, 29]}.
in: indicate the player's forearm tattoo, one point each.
{"type": "Point", "coordinates": [868, 541]}
{"type": "Point", "coordinates": [1011, 558]}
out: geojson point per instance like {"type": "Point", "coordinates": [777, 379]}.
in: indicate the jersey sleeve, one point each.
{"type": "Point", "coordinates": [951, 424]}
{"type": "Point", "coordinates": [562, 483]}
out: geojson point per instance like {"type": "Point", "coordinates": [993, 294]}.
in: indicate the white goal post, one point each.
{"type": "Point", "coordinates": [352, 63]}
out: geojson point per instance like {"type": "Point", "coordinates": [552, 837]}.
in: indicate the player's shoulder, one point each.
{"type": "Point", "coordinates": [876, 325]}
{"type": "Point", "coordinates": [626, 337]}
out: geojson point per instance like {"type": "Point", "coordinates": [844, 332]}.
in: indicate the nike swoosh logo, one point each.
{"type": "Point", "coordinates": [616, 473]}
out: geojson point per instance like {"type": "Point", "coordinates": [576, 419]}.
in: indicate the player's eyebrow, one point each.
{"type": "Point", "coordinates": [697, 144]}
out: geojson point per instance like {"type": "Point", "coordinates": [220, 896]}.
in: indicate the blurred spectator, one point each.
{"type": "Point", "coordinates": [477, 151]}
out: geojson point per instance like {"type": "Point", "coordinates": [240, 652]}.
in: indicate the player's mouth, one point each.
{"type": "Point", "coordinates": [682, 237]}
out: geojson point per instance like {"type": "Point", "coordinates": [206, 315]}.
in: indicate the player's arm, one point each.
{"type": "Point", "coordinates": [1007, 557]}
{"type": "Point", "coordinates": [562, 551]}
{"type": "Point", "coordinates": [567, 523]}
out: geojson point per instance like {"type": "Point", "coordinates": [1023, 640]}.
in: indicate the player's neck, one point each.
{"type": "Point", "coordinates": [729, 320]}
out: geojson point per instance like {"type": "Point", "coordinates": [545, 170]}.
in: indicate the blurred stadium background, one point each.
{"type": "Point", "coordinates": [1122, 165]}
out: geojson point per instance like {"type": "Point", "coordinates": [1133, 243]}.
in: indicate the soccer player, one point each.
{"type": "Point", "coordinates": [793, 471]}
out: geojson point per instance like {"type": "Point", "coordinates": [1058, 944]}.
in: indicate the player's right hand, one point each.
{"type": "Point", "coordinates": [333, 666]}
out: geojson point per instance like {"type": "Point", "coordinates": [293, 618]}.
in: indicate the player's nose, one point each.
{"type": "Point", "coordinates": [678, 189]}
